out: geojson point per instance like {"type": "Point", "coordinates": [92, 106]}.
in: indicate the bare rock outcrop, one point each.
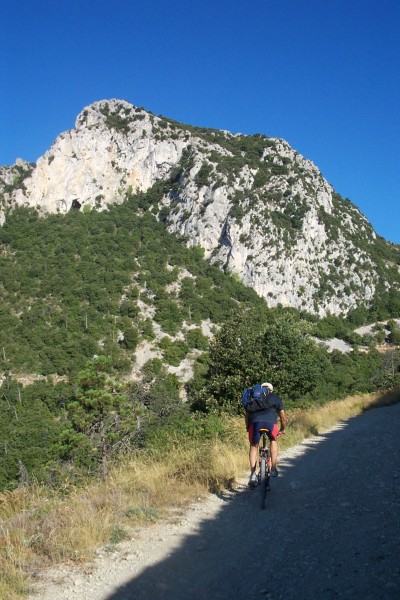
{"type": "Point", "coordinates": [256, 206]}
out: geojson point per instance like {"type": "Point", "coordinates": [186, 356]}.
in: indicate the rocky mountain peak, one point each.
{"type": "Point", "coordinates": [257, 207]}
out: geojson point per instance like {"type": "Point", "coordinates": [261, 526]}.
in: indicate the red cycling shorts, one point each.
{"type": "Point", "coordinates": [255, 434]}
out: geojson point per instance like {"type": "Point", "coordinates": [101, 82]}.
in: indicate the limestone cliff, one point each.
{"type": "Point", "coordinates": [256, 206]}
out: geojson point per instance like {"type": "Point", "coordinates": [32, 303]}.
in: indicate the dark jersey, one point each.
{"type": "Point", "coordinates": [270, 414]}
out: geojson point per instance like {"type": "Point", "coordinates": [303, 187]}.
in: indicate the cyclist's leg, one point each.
{"type": "Point", "coordinates": [273, 446]}
{"type": "Point", "coordinates": [274, 453]}
{"type": "Point", "coordinates": [253, 455]}
{"type": "Point", "coordinates": [254, 438]}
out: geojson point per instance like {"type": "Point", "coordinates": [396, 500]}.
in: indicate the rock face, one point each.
{"type": "Point", "coordinates": [96, 162]}
{"type": "Point", "coordinates": [256, 206]}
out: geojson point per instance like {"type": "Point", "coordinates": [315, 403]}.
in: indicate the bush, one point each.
{"type": "Point", "coordinates": [195, 339]}
{"type": "Point", "coordinates": [173, 352]}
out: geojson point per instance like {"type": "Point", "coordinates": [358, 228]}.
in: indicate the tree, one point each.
{"type": "Point", "coordinates": [235, 361]}
{"type": "Point", "coordinates": [249, 349]}
{"type": "Point", "coordinates": [388, 375]}
{"type": "Point", "coordinates": [102, 412]}
{"type": "Point", "coordinates": [163, 411]}
{"type": "Point", "coordinates": [131, 337]}
{"type": "Point", "coordinates": [29, 434]}
{"type": "Point", "coordinates": [293, 361]}
{"type": "Point", "coordinates": [394, 336]}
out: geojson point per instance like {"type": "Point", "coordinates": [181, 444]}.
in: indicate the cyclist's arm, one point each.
{"type": "Point", "coordinates": [282, 418]}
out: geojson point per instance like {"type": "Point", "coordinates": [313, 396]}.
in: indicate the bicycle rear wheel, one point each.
{"type": "Point", "coordinates": [264, 480]}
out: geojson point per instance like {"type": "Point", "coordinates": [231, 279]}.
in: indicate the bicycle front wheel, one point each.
{"type": "Point", "coordinates": [263, 480]}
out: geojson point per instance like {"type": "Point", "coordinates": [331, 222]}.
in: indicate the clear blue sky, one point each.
{"type": "Point", "coordinates": [322, 74]}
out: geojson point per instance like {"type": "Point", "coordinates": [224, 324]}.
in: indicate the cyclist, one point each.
{"type": "Point", "coordinates": [267, 419]}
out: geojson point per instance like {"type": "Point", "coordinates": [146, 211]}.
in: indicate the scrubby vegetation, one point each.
{"type": "Point", "coordinates": [42, 527]}
{"type": "Point", "coordinates": [71, 285]}
{"type": "Point", "coordinates": [81, 292]}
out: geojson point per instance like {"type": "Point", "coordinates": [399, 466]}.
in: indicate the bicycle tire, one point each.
{"type": "Point", "coordinates": [263, 480]}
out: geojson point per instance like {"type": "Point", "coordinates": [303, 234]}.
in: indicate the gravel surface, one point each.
{"type": "Point", "coordinates": [330, 530]}
{"type": "Point", "coordinates": [370, 328]}
{"type": "Point", "coordinates": [335, 344]}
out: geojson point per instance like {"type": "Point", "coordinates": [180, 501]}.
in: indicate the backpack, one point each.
{"type": "Point", "coordinates": [255, 399]}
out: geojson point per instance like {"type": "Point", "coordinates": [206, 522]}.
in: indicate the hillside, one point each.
{"type": "Point", "coordinates": [112, 322]}
{"type": "Point", "coordinates": [259, 209]}
{"type": "Point", "coordinates": [105, 325]}
{"type": "Point", "coordinates": [87, 283]}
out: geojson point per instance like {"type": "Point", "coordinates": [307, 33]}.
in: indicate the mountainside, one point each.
{"type": "Point", "coordinates": [258, 208]}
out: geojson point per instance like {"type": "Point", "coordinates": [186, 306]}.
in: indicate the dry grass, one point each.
{"type": "Point", "coordinates": [306, 423]}
{"type": "Point", "coordinates": [38, 529]}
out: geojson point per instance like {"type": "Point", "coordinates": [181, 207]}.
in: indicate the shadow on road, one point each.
{"type": "Point", "coordinates": [330, 528]}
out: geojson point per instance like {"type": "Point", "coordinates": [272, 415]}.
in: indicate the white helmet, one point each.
{"type": "Point", "coordinates": [269, 386]}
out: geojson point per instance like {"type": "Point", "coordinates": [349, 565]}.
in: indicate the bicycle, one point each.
{"type": "Point", "coordinates": [264, 463]}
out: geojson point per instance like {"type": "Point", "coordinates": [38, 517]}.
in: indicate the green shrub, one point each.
{"type": "Point", "coordinates": [195, 339]}
{"type": "Point", "coordinates": [173, 352]}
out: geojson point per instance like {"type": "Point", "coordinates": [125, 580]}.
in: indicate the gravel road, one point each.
{"type": "Point", "coordinates": [330, 530]}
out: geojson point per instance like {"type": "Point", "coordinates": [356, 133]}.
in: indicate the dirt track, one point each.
{"type": "Point", "coordinates": [331, 530]}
